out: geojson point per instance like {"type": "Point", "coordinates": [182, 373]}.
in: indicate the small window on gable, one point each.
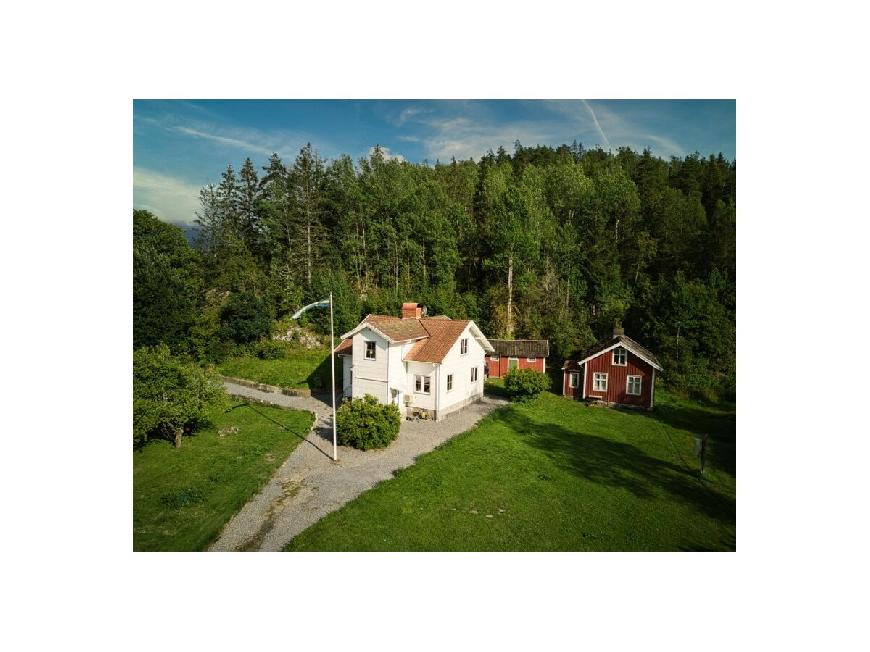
{"type": "Point", "coordinates": [463, 346]}
{"type": "Point", "coordinates": [620, 356]}
{"type": "Point", "coordinates": [449, 382]}
{"type": "Point", "coordinates": [632, 385]}
{"type": "Point", "coordinates": [371, 349]}
{"type": "Point", "coordinates": [599, 382]}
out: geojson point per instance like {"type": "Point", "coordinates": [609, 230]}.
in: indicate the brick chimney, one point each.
{"type": "Point", "coordinates": [618, 330]}
{"type": "Point", "coordinates": [412, 310]}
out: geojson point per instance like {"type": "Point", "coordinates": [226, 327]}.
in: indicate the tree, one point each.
{"type": "Point", "coordinates": [244, 319]}
{"type": "Point", "coordinates": [166, 283]}
{"type": "Point", "coordinates": [170, 397]}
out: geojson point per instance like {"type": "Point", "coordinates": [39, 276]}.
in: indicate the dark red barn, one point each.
{"type": "Point", "coordinates": [512, 354]}
{"type": "Point", "coordinates": [616, 371]}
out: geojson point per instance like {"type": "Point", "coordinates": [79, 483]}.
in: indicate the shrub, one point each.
{"type": "Point", "coordinates": [270, 350]}
{"type": "Point", "coordinates": [244, 319]}
{"type": "Point", "coordinates": [170, 396]}
{"type": "Point", "coordinates": [364, 423]}
{"type": "Point", "coordinates": [524, 384]}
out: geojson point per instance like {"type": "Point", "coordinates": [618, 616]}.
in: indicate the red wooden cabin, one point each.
{"type": "Point", "coordinates": [511, 354]}
{"type": "Point", "coordinates": [618, 371]}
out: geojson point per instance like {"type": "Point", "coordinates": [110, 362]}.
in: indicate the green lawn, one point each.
{"type": "Point", "coordinates": [554, 474]}
{"type": "Point", "coordinates": [182, 497]}
{"type": "Point", "coordinates": [301, 369]}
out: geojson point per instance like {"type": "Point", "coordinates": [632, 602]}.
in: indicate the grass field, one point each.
{"type": "Point", "coordinates": [301, 369]}
{"type": "Point", "coordinates": [182, 497]}
{"type": "Point", "coordinates": [554, 474]}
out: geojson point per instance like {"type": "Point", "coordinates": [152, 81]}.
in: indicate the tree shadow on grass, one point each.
{"type": "Point", "coordinates": [618, 465]}
{"type": "Point", "coordinates": [722, 452]}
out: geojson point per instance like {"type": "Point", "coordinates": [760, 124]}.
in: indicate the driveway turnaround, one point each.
{"type": "Point", "coordinates": [309, 485]}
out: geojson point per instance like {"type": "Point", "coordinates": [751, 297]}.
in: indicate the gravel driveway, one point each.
{"type": "Point", "coordinates": [309, 485]}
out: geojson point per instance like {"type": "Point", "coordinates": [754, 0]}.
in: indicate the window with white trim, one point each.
{"type": "Point", "coordinates": [449, 382]}
{"type": "Point", "coordinates": [599, 382]}
{"type": "Point", "coordinates": [474, 374]}
{"type": "Point", "coordinates": [620, 357]}
{"type": "Point", "coordinates": [371, 350]}
{"type": "Point", "coordinates": [530, 359]}
{"type": "Point", "coordinates": [422, 384]}
{"type": "Point", "coordinates": [463, 346]}
{"type": "Point", "coordinates": [633, 384]}
{"type": "Point", "coordinates": [494, 358]}
{"type": "Point", "coordinates": [573, 380]}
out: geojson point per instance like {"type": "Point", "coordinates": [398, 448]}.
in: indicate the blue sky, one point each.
{"type": "Point", "coordinates": [181, 145]}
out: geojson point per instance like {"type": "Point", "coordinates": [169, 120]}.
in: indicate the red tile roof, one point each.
{"type": "Point", "coordinates": [435, 335]}
{"type": "Point", "coordinates": [443, 334]}
{"type": "Point", "coordinates": [345, 348]}
{"type": "Point", "coordinates": [398, 330]}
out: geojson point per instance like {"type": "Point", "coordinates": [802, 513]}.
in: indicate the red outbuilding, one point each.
{"type": "Point", "coordinates": [618, 371]}
{"type": "Point", "coordinates": [516, 354]}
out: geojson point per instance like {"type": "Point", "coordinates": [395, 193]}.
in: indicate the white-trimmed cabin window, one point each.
{"type": "Point", "coordinates": [633, 385]}
{"type": "Point", "coordinates": [371, 350]}
{"type": "Point", "coordinates": [599, 382]}
{"type": "Point", "coordinates": [474, 374]}
{"type": "Point", "coordinates": [530, 359]}
{"type": "Point", "coordinates": [449, 382]}
{"type": "Point", "coordinates": [494, 358]}
{"type": "Point", "coordinates": [422, 384]}
{"type": "Point", "coordinates": [463, 346]}
{"type": "Point", "coordinates": [620, 356]}
{"type": "Point", "coordinates": [573, 380]}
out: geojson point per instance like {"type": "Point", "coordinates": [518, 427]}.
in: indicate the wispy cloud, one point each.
{"type": "Point", "coordinates": [169, 198]}
{"type": "Point", "coordinates": [597, 124]}
{"type": "Point", "coordinates": [387, 153]}
{"type": "Point", "coordinates": [239, 143]}
{"type": "Point", "coordinates": [467, 130]}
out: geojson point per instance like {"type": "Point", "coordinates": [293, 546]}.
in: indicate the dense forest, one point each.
{"type": "Point", "coordinates": [556, 243]}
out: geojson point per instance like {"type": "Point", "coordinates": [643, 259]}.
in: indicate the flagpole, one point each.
{"type": "Point", "coordinates": [332, 366]}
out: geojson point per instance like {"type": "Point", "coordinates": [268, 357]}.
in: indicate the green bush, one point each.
{"type": "Point", "coordinates": [524, 384]}
{"type": "Point", "coordinates": [270, 350]}
{"type": "Point", "coordinates": [364, 423]}
{"type": "Point", "coordinates": [244, 319]}
{"type": "Point", "coordinates": [170, 396]}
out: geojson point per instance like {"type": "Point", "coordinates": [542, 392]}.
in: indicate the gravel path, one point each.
{"type": "Point", "coordinates": [309, 485]}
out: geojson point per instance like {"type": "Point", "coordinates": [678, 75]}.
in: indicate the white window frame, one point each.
{"type": "Point", "coordinates": [597, 376]}
{"type": "Point", "coordinates": [374, 350]}
{"type": "Point", "coordinates": [449, 382]}
{"type": "Point", "coordinates": [639, 385]}
{"type": "Point", "coordinates": [509, 363]}
{"type": "Point", "coordinates": [530, 359]}
{"type": "Point", "coordinates": [624, 356]}
{"type": "Point", "coordinates": [494, 358]}
{"type": "Point", "coordinates": [420, 383]}
{"type": "Point", "coordinates": [463, 346]}
{"type": "Point", "coordinates": [474, 375]}
{"type": "Point", "coordinates": [573, 377]}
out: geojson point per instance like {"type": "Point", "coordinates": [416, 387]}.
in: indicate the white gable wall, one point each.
{"type": "Point", "coordinates": [464, 391]}
{"type": "Point", "coordinates": [370, 376]}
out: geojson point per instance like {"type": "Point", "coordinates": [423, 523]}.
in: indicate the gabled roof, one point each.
{"type": "Point", "coordinates": [345, 348]}
{"type": "Point", "coordinates": [433, 336]}
{"type": "Point", "coordinates": [521, 348]}
{"type": "Point", "coordinates": [393, 329]}
{"type": "Point", "coordinates": [619, 340]}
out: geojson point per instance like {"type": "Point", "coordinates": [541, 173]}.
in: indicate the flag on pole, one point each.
{"type": "Point", "coordinates": [316, 304]}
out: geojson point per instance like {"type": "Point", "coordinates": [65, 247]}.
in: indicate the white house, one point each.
{"type": "Point", "coordinates": [428, 365]}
